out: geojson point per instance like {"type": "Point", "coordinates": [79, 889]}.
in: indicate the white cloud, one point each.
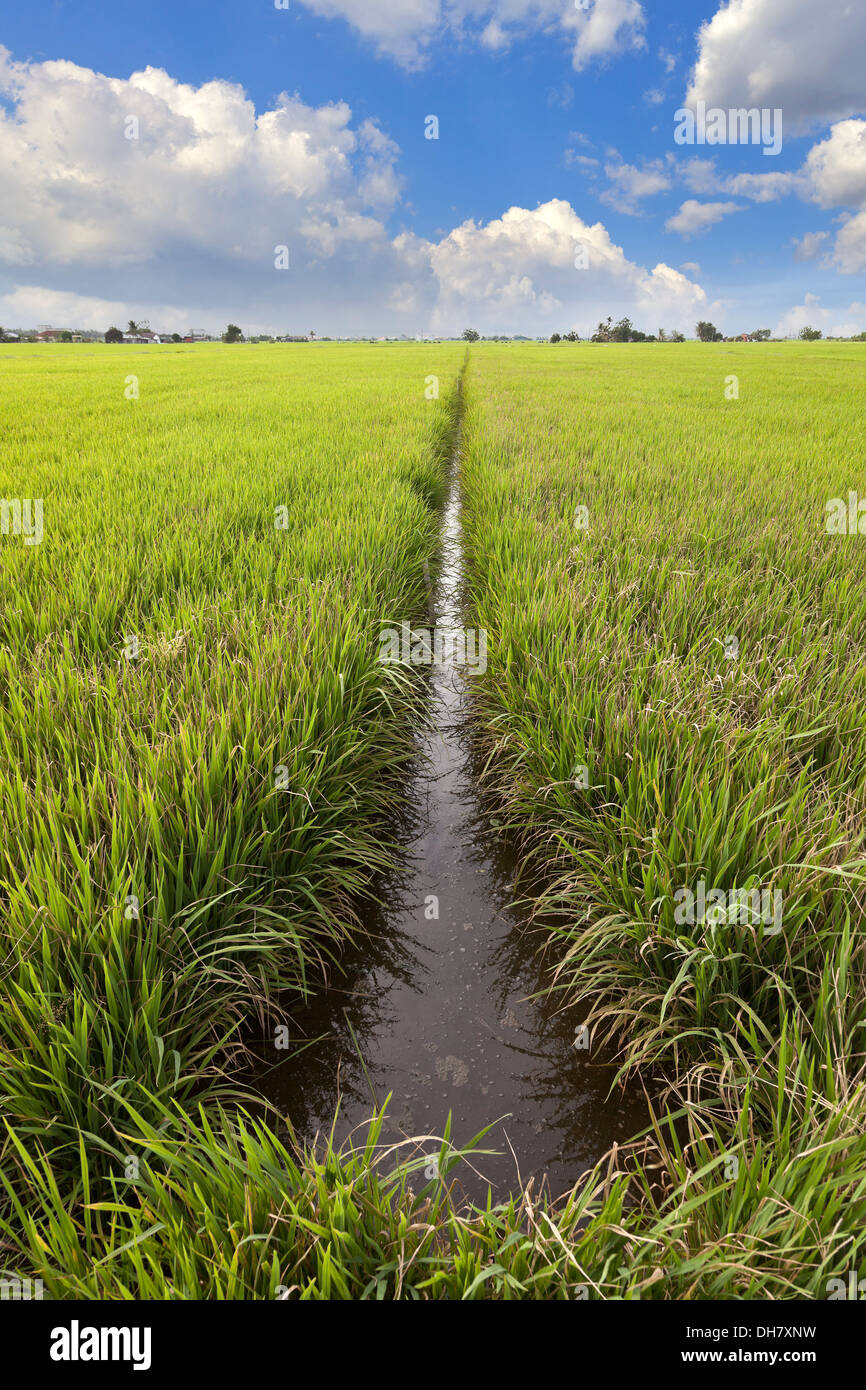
{"type": "Point", "coordinates": [808, 246]}
{"type": "Point", "coordinates": [765, 188]}
{"type": "Point", "coordinates": [701, 175]}
{"type": "Point", "coordinates": [811, 313]}
{"type": "Point", "coordinates": [804, 57]}
{"type": "Point", "coordinates": [493, 36]}
{"type": "Point", "coordinates": [191, 211]}
{"type": "Point", "coordinates": [33, 304]}
{"type": "Point", "coordinates": [850, 327]}
{"type": "Point", "coordinates": [405, 29]}
{"type": "Point", "coordinates": [849, 253]}
{"type": "Point", "coordinates": [629, 184]}
{"type": "Point", "coordinates": [695, 217]}
{"type": "Point", "coordinates": [520, 269]}
{"type": "Point", "coordinates": [400, 28]}
{"type": "Point", "coordinates": [610, 26]}
{"type": "Point", "coordinates": [836, 167]}
{"type": "Point", "coordinates": [833, 175]}
{"type": "Point", "coordinates": [180, 225]}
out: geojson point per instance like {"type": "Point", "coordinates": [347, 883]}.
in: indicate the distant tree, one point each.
{"type": "Point", "coordinates": [810, 335]}
{"type": "Point", "coordinates": [176, 338]}
{"type": "Point", "coordinates": [663, 337]}
{"type": "Point", "coordinates": [132, 326]}
{"type": "Point", "coordinates": [677, 336]}
{"type": "Point", "coordinates": [707, 332]}
{"type": "Point", "coordinates": [761, 335]}
{"type": "Point", "coordinates": [65, 336]}
{"type": "Point", "coordinates": [470, 335]}
{"type": "Point", "coordinates": [603, 332]}
{"type": "Point", "coordinates": [113, 335]}
{"type": "Point", "coordinates": [556, 337]}
{"type": "Point", "coordinates": [232, 334]}
{"type": "Point", "coordinates": [571, 337]}
{"type": "Point", "coordinates": [622, 331]}
{"type": "Point", "coordinates": [859, 338]}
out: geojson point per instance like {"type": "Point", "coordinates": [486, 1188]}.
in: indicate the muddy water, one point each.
{"type": "Point", "coordinates": [434, 1009]}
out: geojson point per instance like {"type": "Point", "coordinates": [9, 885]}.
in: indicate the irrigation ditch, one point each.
{"type": "Point", "coordinates": [438, 1009]}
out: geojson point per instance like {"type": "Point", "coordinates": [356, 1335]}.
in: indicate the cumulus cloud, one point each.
{"type": "Point", "coordinates": [836, 167]}
{"type": "Point", "coordinates": [549, 267]}
{"type": "Point", "coordinates": [836, 170]}
{"type": "Point", "coordinates": [181, 223]}
{"type": "Point", "coordinates": [804, 57]}
{"type": "Point", "coordinates": [405, 29]}
{"type": "Point", "coordinates": [694, 217]}
{"type": "Point", "coordinates": [157, 192]}
{"type": "Point", "coordinates": [849, 253]}
{"type": "Point", "coordinates": [811, 313]}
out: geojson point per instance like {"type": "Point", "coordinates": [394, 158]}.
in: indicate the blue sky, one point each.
{"type": "Point", "coordinates": [562, 111]}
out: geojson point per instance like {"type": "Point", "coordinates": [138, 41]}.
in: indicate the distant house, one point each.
{"type": "Point", "coordinates": [48, 335]}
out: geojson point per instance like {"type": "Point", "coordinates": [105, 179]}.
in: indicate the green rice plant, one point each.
{"type": "Point", "coordinates": [675, 697]}
{"type": "Point", "coordinates": [201, 756]}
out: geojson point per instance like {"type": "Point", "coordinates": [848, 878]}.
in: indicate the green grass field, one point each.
{"type": "Point", "coordinates": [667, 613]}
{"type": "Point", "coordinates": [200, 757]}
